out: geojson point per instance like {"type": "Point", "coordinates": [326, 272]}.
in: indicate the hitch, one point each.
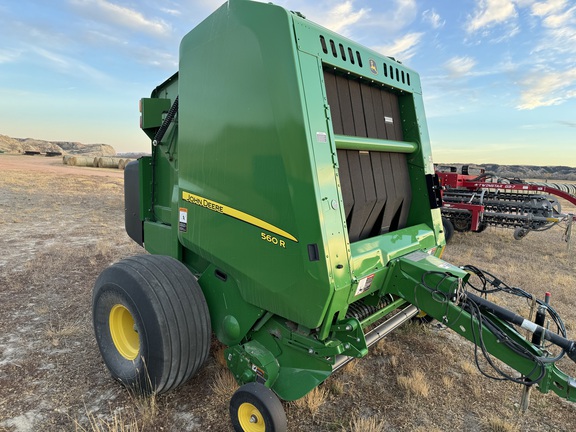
{"type": "Point", "coordinates": [440, 290]}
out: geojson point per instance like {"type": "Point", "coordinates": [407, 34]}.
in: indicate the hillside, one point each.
{"type": "Point", "coordinates": [22, 145]}
{"type": "Point", "coordinates": [524, 172]}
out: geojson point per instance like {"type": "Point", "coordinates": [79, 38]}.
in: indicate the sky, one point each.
{"type": "Point", "coordinates": [498, 76]}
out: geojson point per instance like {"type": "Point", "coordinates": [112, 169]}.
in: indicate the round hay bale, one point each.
{"type": "Point", "coordinates": [66, 159]}
{"type": "Point", "coordinates": [123, 162]}
{"type": "Point", "coordinates": [80, 161]}
{"type": "Point", "coordinates": [108, 162]}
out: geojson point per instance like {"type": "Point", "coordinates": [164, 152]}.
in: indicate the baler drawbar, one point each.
{"type": "Point", "coordinates": [290, 208]}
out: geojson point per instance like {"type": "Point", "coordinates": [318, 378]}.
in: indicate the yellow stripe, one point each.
{"type": "Point", "coordinates": [236, 214]}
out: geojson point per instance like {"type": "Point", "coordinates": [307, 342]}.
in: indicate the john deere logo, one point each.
{"type": "Point", "coordinates": [373, 67]}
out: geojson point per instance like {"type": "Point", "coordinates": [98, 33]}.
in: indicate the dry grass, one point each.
{"type": "Point", "coordinates": [59, 329]}
{"type": "Point", "coordinates": [224, 386]}
{"type": "Point", "coordinates": [415, 384]}
{"type": "Point", "coordinates": [118, 421]}
{"type": "Point", "coordinates": [313, 400]}
{"type": "Point", "coordinates": [499, 425]}
{"type": "Point", "coordinates": [468, 367]}
{"type": "Point", "coordinates": [354, 368]}
{"type": "Point", "coordinates": [369, 424]}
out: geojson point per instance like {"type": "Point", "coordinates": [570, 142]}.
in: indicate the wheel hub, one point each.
{"type": "Point", "coordinates": [123, 332]}
{"type": "Point", "coordinates": [250, 418]}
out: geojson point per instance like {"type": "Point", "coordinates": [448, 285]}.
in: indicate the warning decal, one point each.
{"type": "Point", "coordinates": [183, 220]}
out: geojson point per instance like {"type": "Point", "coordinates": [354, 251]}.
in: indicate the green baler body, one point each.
{"type": "Point", "coordinates": [296, 171]}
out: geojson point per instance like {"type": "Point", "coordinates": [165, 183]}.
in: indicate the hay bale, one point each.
{"type": "Point", "coordinates": [95, 163]}
{"type": "Point", "coordinates": [80, 161]}
{"type": "Point", "coordinates": [108, 162]}
{"type": "Point", "coordinates": [66, 159]}
{"type": "Point", "coordinates": [123, 162]}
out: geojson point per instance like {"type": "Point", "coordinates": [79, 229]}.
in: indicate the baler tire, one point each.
{"type": "Point", "coordinates": [151, 322]}
{"type": "Point", "coordinates": [256, 408]}
{"type": "Point", "coordinates": [448, 229]}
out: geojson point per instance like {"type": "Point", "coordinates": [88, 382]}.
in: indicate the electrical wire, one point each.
{"type": "Point", "coordinates": [489, 284]}
{"type": "Point", "coordinates": [483, 321]}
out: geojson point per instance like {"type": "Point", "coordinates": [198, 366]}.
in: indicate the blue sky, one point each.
{"type": "Point", "coordinates": [499, 76]}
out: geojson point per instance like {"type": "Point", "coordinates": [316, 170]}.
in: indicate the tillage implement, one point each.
{"type": "Point", "coordinates": [472, 202]}
{"type": "Point", "coordinates": [290, 208]}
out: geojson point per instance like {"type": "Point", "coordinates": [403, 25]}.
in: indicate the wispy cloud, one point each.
{"type": "Point", "coordinates": [8, 55]}
{"type": "Point", "coordinates": [489, 13]}
{"type": "Point", "coordinates": [559, 21]}
{"type": "Point", "coordinates": [402, 48]}
{"type": "Point", "coordinates": [547, 89]}
{"type": "Point", "coordinates": [460, 66]}
{"type": "Point", "coordinates": [119, 15]}
{"type": "Point", "coordinates": [341, 16]}
{"type": "Point", "coordinates": [431, 17]}
{"type": "Point", "coordinates": [69, 65]}
{"type": "Point", "coordinates": [168, 11]}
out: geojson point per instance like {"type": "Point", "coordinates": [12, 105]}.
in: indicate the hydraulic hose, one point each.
{"type": "Point", "coordinates": [567, 345]}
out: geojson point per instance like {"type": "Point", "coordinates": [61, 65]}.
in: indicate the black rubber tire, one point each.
{"type": "Point", "coordinates": [448, 229]}
{"type": "Point", "coordinates": [170, 316]}
{"type": "Point", "coordinates": [268, 406]}
{"type": "Point", "coordinates": [520, 233]}
{"type": "Point", "coordinates": [462, 224]}
{"type": "Point", "coordinates": [482, 227]}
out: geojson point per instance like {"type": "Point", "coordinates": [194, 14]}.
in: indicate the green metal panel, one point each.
{"type": "Point", "coordinates": [247, 177]}
{"type": "Point", "coordinates": [151, 110]}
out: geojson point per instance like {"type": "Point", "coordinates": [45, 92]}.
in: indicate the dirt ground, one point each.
{"type": "Point", "coordinates": [60, 226]}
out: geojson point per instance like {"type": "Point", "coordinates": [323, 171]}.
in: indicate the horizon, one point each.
{"type": "Point", "coordinates": [498, 76]}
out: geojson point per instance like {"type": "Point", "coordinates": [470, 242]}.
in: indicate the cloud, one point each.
{"type": "Point", "coordinates": [405, 12]}
{"type": "Point", "coordinates": [8, 56]}
{"type": "Point", "coordinates": [460, 66]}
{"type": "Point", "coordinates": [402, 48]}
{"type": "Point", "coordinates": [341, 16]}
{"type": "Point", "coordinates": [431, 17]}
{"type": "Point", "coordinates": [168, 11]}
{"type": "Point", "coordinates": [70, 66]}
{"type": "Point", "coordinates": [489, 13]}
{"type": "Point", "coordinates": [115, 14]}
{"type": "Point", "coordinates": [548, 7]}
{"type": "Point", "coordinates": [547, 88]}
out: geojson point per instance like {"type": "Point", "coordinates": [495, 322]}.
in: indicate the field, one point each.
{"type": "Point", "coordinates": [60, 226]}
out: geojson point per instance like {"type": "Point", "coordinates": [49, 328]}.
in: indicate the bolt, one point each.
{"type": "Point", "coordinates": [347, 346]}
{"type": "Point", "coordinates": [310, 351]}
{"type": "Point", "coordinates": [253, 419]}
{"type": "Point", "coordinates": [348, 327]}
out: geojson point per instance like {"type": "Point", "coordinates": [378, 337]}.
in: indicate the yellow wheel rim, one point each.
{"type": "Point", "coordinates": [250, 418]}
{"type": "Point", "coordinates": [124, 334]}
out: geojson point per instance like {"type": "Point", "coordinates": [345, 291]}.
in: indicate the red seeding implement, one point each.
{"type": "Point", "coordinates": [472, 202]}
